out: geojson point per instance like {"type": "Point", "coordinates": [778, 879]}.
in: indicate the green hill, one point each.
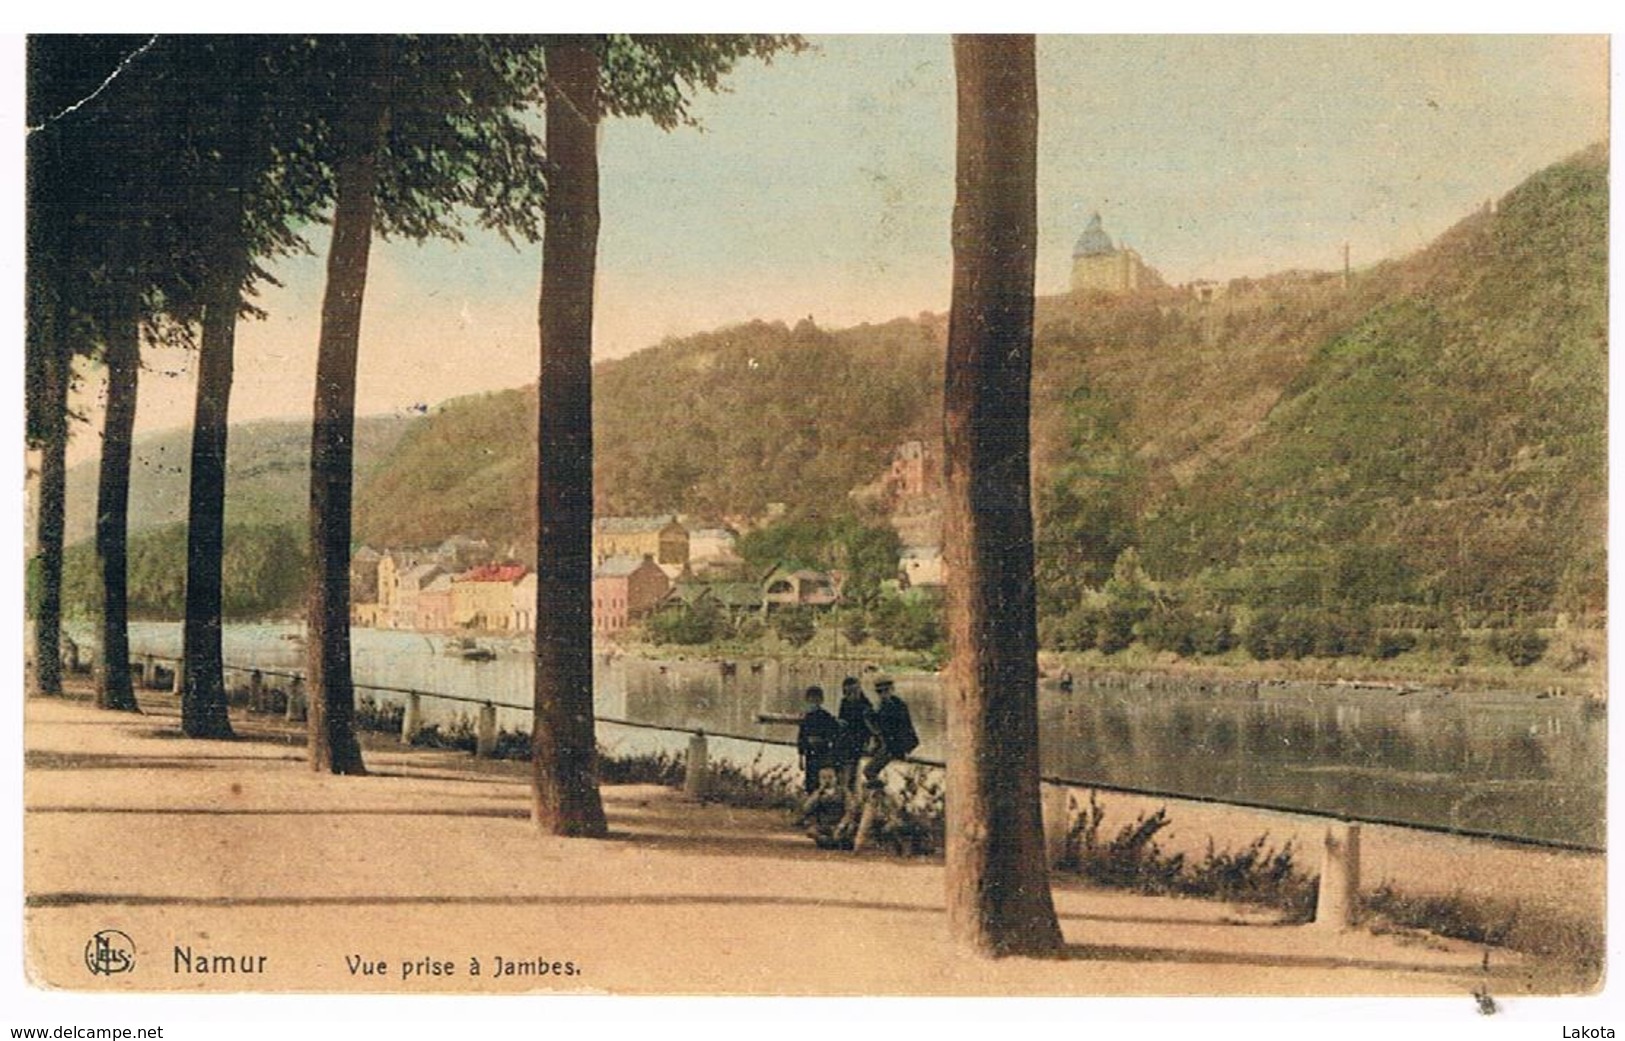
{"type": "Point", "coordinates": [1449, 447]}
{"type": "Point", "coordinates": [1432, 432]}
{"type": "Point", "coordinates": [267, 499]}
{"type": "Point", "coordinates": [267, 475]}
{"type": "Point", "coordinates": [718, 424]}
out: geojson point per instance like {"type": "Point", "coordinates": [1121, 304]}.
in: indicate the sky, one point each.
{"type": "Point", "coordinates": [821, 184]}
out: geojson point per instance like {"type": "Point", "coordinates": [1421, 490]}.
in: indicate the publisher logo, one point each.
{"type": "Point", "coordinates": [109, 953]}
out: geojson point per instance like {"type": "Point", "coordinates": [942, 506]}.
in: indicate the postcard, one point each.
{"type": "Point", "coordinates": [816, 516]}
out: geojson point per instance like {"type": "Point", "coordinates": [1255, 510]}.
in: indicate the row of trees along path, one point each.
{"type": "Point", "coordinates": [165, 174]}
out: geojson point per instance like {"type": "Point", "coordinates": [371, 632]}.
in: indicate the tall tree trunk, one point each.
{"type": "Point", "coordinates": [48, 339]}
{"type": "Point", "coordinates": [566, 800]}
{"type": "Point", "coordinates": [203, 692]}
{"type": "Point", "coordinates": [122, 344]}
{"type": "Point", "coordinates": [333, 744]}
{"type": "Point", "coordinates": [997, 880]}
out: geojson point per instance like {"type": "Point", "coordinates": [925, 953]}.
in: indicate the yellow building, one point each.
{"type": "Point", "coordinates": [1099, 265]}
{"type": "Point", "coordinates": [659, 537]}
{"type": "Point", "coordinates": [524, 604]}
{"type": "Point", "coordinates": [483, 597]}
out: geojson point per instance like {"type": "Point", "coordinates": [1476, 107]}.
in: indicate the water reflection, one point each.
{"type": "Point", "coordinates": [1509, 762]}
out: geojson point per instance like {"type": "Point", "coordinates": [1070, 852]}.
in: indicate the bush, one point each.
{"type": "Point", "coordinates": [752, 786]}
{"type": "Point", "coordinates": [1073, 631]}
{"type": "Point", "coordinates": [1390, 643]}
{"type": "Point", "coordinates": [1170, 628]}
{"type": "Point", "coordinates": [458, 735]}
{"type": "Point", "coordinates": [1132, 858]}
{"type": "Point", "coordinates": [1521, 647]}
{"type": "Point", "coordinates": [385, 717]}
{"type": "Point", "coordinates": [1214, 633]}
{"type": "Point", "coordinates": [1257, 873]}
{"type": "Point", "coordinates": [1296, 636]}
{"type": "Point", "coordinates": [1259, 639]}
{"type": "Point", "coordinates": [1487, 920]}
{"type": "Point", "coordinates": [907, 625]}
{"type": "Point", "coordinates": [1339, 635]}
{"type": "Point", "coordinates": [1186, 631]}
{"type": "Point", "coordinates": [640, 768]}
{"type": "Point", "coordinates": [914, 821]}
{"type": "Point", "coordinates": [1115, 631]}
{"type": "Point", "coordinates": [685, 625]}
{"type": "Point", "coordinates": [794, 625]}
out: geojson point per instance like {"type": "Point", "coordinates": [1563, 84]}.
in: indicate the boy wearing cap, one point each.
{"type": "Point", "coordinates": [893, 730]}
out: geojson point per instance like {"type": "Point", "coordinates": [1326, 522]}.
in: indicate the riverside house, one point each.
{"type": "Point", "coordinates": [408, 586]}
{"type": "Point", "coordinates": [802, 588]}
{"type": "Point", "coordinates": [624, 589]}
{"type": "Point", "coordinates": [483, 597]}
{"type": "Point", "coordinates": [434, 605]}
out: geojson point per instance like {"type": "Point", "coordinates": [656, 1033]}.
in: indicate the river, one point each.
{"type": "Point", "coordinates": [1515, 763]}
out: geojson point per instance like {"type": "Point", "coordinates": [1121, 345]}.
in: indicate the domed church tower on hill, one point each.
{"type": "Point", "coordinates": [1099, 265]}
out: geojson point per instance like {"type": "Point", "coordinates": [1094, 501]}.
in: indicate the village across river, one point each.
{"type": "Point", "coordinates": [1520, 764]}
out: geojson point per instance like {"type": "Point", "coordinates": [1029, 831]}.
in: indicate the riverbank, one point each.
{"type": "Point", "coordinates": [1574, 666]}
{"type": "Point", "coordinates": [237, 850]}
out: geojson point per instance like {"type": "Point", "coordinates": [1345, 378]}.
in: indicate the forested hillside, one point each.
{"type": "Point", "coordinates": [718, 424]}
{"type": "Point", "coordinates": [267, 499]}
{"type": "Point", "coordinates": [1431, 434]}
{"type": "Point", "coordinates": [267, 476]}
{"type": "Point", "coordinates": [1449, 447]}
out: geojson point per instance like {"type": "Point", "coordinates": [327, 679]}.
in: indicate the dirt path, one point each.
{"type": "Point", "coordinates": [204, 851]}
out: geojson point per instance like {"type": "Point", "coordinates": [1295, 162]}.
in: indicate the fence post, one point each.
{"type": "Point", "coordinates": [177, 679]}
{"type": "Point", "coordinates": [485, 735]}
{"type": "Point", "coordinates": [149, 678]}
{"type": "Point", "coordinates": [296, 699]}
{"type": "Point", "coordinates": [695, 776]}
{"type": "Point", "coordinates": [1057, 815]}
{"type": "Point", "coordinates": [256, 691]}
{"type": "Point", "coordinates": [1337, 905]}
{"type": "Point", "coordinates": [412, 718]}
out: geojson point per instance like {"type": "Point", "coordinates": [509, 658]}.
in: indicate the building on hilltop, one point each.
{"type": "Point", "coordinates": [1100, 265]}
{"type": "Point", "coordinates": [914, 471]}
{"type": "Point", "coordinates": [459, 553]}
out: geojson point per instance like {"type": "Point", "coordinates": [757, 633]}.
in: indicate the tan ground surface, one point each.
{"type": "Point", "coordinates": [236, 848]}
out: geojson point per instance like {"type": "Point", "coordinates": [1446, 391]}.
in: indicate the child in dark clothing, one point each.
{"type": "Point", "coordinates": [854, 736]}
{"type": "Point", "coordinates": [816, 738]}
{"type": "Point", "coordinates": [824, 814]}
